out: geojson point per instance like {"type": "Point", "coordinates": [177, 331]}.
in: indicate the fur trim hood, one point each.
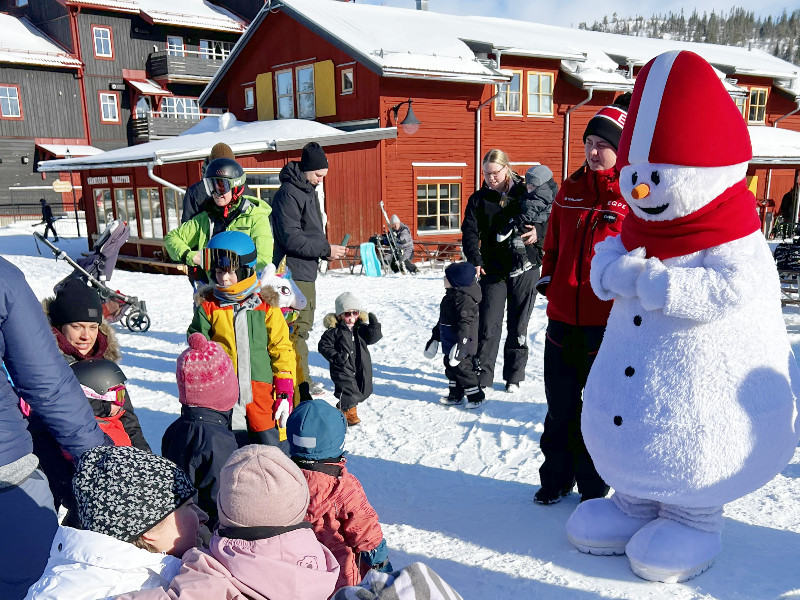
{"type": "Point", "coordinates": [331, 320]}
{"type": "Point", "coordinates": [113, 351]}
{"type": "Point", "coordinates": [206, 292]}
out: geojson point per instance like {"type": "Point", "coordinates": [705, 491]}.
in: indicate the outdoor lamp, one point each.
{"type": "Point", "coordinates": [410, 124]}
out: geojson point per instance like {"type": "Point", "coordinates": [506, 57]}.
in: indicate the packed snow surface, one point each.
{"type": "Point", "coordinates": [453, 488]}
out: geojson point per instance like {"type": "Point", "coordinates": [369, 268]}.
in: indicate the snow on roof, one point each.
{"type": "Point", "coordinates": [772, 145]}
{"type": "Point", "coordinates": [243, 138]}
{"type": "Point", "coordinates": [148, 87]}
{"type": "Point", "coordinates": [199, 14]}
{"type": "Point", "coordinates": [22, 43]}
{"type": "Point", "coordinates": [398, 42]}
{"type": "Point", "coordinates": [126, 5]}
{"type": "Point", "coordinates": [71, 149]}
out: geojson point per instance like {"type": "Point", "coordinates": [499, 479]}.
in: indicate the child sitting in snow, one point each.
{"type": "Point", "coordinates": [137, 518]}
{"type": "Point", "coordinates": [339, 510]}
{"type": "Point", "coordinates": [200, 440]}
{"type": "Point", "coordinates": [263, 548]}
{"type": "Point", "coordinates": [244, 319]}
{"type": "Point", "coordinates": [533, 210]}
{"type": "Point", "coordinates": [344, 346]}
{"type": "Point", "coordinates": [457, 329]}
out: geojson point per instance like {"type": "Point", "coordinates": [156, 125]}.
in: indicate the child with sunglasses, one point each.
{"type": "Point", "coordinates": [344, 345]}
{"type": "Point", "coordinates": [245, 319]}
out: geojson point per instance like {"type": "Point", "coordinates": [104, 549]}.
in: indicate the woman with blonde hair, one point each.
{"type": "Point", "coordinates": [488, 211]}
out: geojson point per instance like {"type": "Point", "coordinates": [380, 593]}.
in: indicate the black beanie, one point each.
{"type": "Point", "coordinates": [75, 302]}
{"type": "Point", "coordinates": [313, 158]}
{"type": "Point", "coordinates": [460, 274]}
{"type": "Point", "coordinates": [607, 124]}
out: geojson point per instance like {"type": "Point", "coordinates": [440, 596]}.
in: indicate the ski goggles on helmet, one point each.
{"type": "Point", "coordinates": [228, 260]}
{"type": "Point", "coordinates": [218, 186]}
{"type": "Point", "coordinates": [115, 394]}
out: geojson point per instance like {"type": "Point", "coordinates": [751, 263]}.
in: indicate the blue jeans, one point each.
{"type": "Point", "coordinates": [28, 523]}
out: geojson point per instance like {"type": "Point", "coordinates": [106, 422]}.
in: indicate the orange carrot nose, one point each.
{"type": "Point", "coordinates": [640, 191]}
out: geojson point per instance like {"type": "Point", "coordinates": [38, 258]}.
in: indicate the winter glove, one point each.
{"type": "Point", "coordinates": [451, 357]}
{"type": "Point", "coordinates": [284, 393]}
{"type": "Point", "coordinates": [620, 276]}
{"type": "Point", "coordinates": [378, 558]}
{"type": "Point", "coordinates": [541, 285]}
{"type": "Point", "coordinates": [431, 348]}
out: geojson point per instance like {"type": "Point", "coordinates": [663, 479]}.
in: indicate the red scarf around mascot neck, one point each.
{"type": "Point", "coordinates": [730, 216]}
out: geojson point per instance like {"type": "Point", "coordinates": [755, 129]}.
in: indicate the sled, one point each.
{"type": "Point", "coordinates": [369, 260]}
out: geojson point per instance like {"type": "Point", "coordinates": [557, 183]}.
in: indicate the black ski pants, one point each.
{"type": "Point", "coordinates": [519, 293]}
{"type": "Point", "coordinates": [569, 352]}
{"type": "Point", "coordinates": [463, 380]}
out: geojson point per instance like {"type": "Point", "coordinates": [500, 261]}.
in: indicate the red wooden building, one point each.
{"type": "Point", "coordinates": [475, 84]}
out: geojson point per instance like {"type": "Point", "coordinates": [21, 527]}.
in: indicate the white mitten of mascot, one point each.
{"type": "Point", "coordinates": [692, 400]}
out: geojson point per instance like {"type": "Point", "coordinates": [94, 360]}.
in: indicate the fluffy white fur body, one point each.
{"type": "Point", "coordinates": [692, 399]}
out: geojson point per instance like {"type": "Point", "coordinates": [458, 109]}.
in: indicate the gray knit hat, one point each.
{"type": "Point", "coordinates": [345, 302]}
{"type": "Point", "coordinates": [123, 492]}
{"type": "Point", "coordinates": [538, 175]}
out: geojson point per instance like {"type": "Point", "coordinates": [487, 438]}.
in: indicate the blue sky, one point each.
{"type": "Point", "coordinates": [571, 12]}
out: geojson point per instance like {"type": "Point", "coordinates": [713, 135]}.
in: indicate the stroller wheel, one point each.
{"type": "Point", "coordinates": [137, 321]}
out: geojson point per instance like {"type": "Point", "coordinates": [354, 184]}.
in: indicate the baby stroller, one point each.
{"type": "Point", "coordinates": [96, 267]}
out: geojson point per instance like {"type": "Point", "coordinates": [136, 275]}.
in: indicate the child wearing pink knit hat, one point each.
{"type": "Point", "coordinates": [200, 440]}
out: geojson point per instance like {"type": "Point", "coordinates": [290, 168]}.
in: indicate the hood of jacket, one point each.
{"type": "Point", "coordinates": [324, 487]}
{"type": "Point", "coordinates": [112, 352]}
{"type": "Point", "coordinates": [290, 565]}
{"type": "Point", "coordinates": [291, 173]}
{"type": "Point", "coordinates": [472, 290]}
{"type": "Point", "coordinates": [331, 320]}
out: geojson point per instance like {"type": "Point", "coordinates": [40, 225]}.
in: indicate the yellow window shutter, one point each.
{"type": "Point", "coordinates": [325, 88]}
{"type": "Point", "coordinates": [266, 110]}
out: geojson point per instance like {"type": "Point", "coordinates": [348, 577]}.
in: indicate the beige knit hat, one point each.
{"type": "Point", "coordinates": [260, 486]}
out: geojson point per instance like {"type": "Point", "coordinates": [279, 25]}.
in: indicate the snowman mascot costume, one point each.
{"type": "Point", "coordinates": [692, 400]}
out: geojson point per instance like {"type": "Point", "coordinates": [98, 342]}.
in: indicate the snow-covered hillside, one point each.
{"type": "Point", "coordinates": [453, 488]}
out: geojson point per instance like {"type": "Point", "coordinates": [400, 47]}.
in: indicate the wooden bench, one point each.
{"type": "Point", "coordinates": [350, 260]}
{"type": "Point", "coordinates": [157, 265]}
{"type": "Point", "coordinates": [439, 253]}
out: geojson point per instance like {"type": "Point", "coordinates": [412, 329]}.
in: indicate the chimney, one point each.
{"type": "Point", "coordinates": [422, 4]}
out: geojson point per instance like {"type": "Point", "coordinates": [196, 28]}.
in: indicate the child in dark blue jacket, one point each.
{"type": "Point", "coordinates": [457, 329]}
{"type": "Point", "coordinates": [201, 440]}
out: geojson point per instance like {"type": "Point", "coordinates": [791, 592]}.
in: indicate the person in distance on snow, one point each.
{"type": "Point", "coordinates": [587, 209]}
{"type": "Point", "coordinates": [201, 440]}
{"type": "Point", "coordinates": [457, 330]}
{"type": "Point", "coordinates": [534, 209]}
{"type": "Point", "coordinates": [137, 518]}
{"type": "Point", "coordinates": [405, 243]}
{"type": "Point", "coordinates": [344, 345]}
{"type": "Point", "coordinates": [246, 321]}
{"type": "Point", "coordinates": [343, 519]}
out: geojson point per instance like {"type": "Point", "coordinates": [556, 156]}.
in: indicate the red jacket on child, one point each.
{"type": "Point", "coordinates": [343, 519]}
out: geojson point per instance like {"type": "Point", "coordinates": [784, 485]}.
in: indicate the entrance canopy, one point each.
{"type": "Point", "coordinates": [775, 147]}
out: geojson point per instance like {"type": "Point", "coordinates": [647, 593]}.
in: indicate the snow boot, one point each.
{"type": "Point", "coordinates": [547, 495]}
{"type": "Point", "coordinates": [451, 400]}
{"type": "Point", "coordinates": [351, 414]}
{"type": "Point", "coordinates": [599, 527]}
{"type": "Point", "coordinates": [668, 551]}
{"type": "Point", "coordinates": [475, 397]}
{"type": "Point", "coordinates": [506, 232]}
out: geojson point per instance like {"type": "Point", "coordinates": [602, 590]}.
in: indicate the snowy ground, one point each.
{"type": "Point", "coordinates": [452, 488]}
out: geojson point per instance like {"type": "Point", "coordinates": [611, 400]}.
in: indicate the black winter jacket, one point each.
{"type": "Point", "coordinates": [484, 218]}
{"type": "Point", "coordinates": [200, 442]}
{"type": "Point", "coordinates": [349, 358]}
{"type": "Point", "coordinates": [458, 320]}
{"type": "Point", "coordinates": [297, 225]}
{"type": "Point", "coordinates": [534, 209]}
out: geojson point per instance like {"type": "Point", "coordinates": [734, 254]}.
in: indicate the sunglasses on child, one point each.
{"type": "Point", "coordinates": [351, 313]}
{"type": "Point", "coordinates": [115, 394]}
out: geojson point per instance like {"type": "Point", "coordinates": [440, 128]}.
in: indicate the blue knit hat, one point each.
{"type": "Point", "coordinates": [460, 274]}
{"type": "Point", "coordinates": [316, 430]}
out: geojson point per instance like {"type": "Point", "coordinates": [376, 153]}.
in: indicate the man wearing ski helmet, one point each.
{"type": "Point", "coordinates": [228, 209]}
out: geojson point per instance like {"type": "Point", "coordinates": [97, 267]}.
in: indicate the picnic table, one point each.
{"type": "Point", "coordinates": [439, 253]}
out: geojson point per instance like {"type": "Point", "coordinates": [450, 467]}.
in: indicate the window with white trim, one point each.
{"type": "Point", "coordinates": [757, 112]}
{"type": "Point", "coordinates": [264, 183]}
{"type": "Point", "coordinates": [249, 97]}
{"type": "Point", "coordinates": [284, 91]}
{"type": "Point", "coordinates": [103, 44]}
{"type": "Point", "coordinates": [215, 49]}
{"type": "Point", "coordinates": [175, 46]}
{"type": "Point", "coordinates": [741, 104]}
{"type": "Point", "coordinates": [438, 206]}
{"type": "Point", "coordinates": [126, 209]}
{"type": "Point", "coordinates": [509, 100]}
{"type": "Point", "coordinates": [173, 203]}
{"type": "Point", "coordinates": [540, 94]}
{"type": "Point", "coordinates": [109, 107]}
{"type": "Point", "coordinates": [306, 108]}
{"type": "Point", "coordinates": [175, 107]}
{"type": "Point", "coordinates": [104, 208]}
{"type": "Point", "coordinates": [10, 107]}
{"type": "Point", "coordinates": [348, 83]}
{"type": "Point", "coordinates": [150, 213]}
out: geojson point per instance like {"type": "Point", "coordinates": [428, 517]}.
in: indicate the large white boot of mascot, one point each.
{"type": "Point", "coordinates": [692, 401]}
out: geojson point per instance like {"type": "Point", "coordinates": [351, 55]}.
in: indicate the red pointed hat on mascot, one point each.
{"type": "Point", "coordinates": [680, 114]}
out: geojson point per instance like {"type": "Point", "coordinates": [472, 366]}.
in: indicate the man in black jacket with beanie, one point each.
{"type": "Point", "coordinates": [299, 233]}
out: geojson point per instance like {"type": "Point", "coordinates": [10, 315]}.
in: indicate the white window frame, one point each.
{"type": "Point", "coordinates": [215, 49]}
{"type": "Point", "coordinates": [95, 38]}
{"type": "Point", "coordinates": [757, 107]}
{"type": "Point", "coordinates": [506, 92]}
{"type": "Point", "coordinates": [179, 107]}
{"type": "Point", "coordinates": [300, 93]}
{"type": "Point", "coordinates": [540, 75]}
{"type": "Point", "coordinates": [114, 104]}
{"type": "Point", "coordinates": [6, 95]}
{"type": "Point", "coordinates": [741, 104]}
{"type": "Point", "coordinates": [344, 75]}
{"type": "Point", "coordinates": [174, 49]}
{"type": "Point", "coordinates": [278, 96]}
{"type": "Point", "coordinates": [249, 97]}
{"type": "Point", "coordinates": [438, 182]}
